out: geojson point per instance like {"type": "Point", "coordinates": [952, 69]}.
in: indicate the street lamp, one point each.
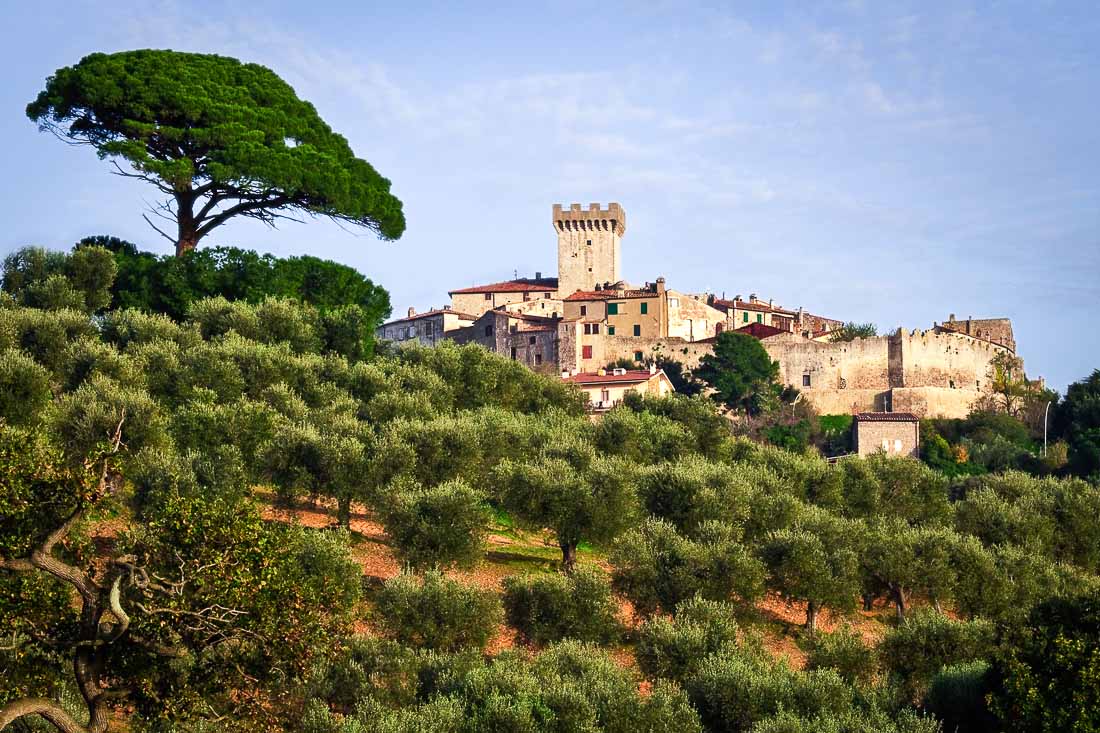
{"type": "Point", "coordinates": [1046, 411]}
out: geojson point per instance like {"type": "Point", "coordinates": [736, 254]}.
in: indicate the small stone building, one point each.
{"type": "Point", "coordinates": [893, 433]}
{"type": "Point", "coordinates": [605, 389]}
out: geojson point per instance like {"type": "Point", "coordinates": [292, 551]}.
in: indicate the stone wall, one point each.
{"type": "Point", "coordinates": [691, 319]}
{"type": "Point", "coordinates": [873, 436]}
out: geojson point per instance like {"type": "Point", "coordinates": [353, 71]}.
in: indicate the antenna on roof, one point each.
{"type": "Point", "coordinates": [515, 274]}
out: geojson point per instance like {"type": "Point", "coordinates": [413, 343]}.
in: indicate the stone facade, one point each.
{"type": "Point", "coordinates": [483, 298]}
{"type": "Point", "coordinates": [605, 389]}
{"type": "Point", "coordinates": [589, 245]}
{"type": "Point", "coordinates": [931, 373]}
{"type": "Point", "coordinates": [427, 328]}
{"type": "Point", "coordinates": [996, 330]}
{"type": "Point", "coordinates": [893, 433]}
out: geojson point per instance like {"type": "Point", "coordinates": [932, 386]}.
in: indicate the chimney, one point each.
{"type": "Point", "coordinates": [652, 367]}
{"type": "Point", "coordinates": [660, 285]}
{"type": "Point", "coordinates": [752, 297]}
{"type": "Point", "coordinates": [770, 303]}
{"type": "Point", "coordinates": [412, 312]}
{"type": "Point", "coordinates": [538, 275]}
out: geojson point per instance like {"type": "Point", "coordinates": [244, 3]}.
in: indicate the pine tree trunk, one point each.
{"type": "Point", "coordinates": [568, 556]}
{"type": "Point", "coordinates": [343, 512]}
{"type": "Point", "coordinates": [936, 605]}
{"type": "Point", "coordinates": [811, 617]}
{"type": "Point", "coordinates": [868, 601]}
{"type": "Point", "coordinates": [188, 237]}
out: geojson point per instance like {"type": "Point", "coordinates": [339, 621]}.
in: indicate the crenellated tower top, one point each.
{"type": "Point", "coordinates": [613, 218]}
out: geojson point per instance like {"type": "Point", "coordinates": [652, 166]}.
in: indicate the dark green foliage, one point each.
{"type": "Point", "coordinates": [709, 431]}
{"type": "Point", "coordinates": [910, 490]}
{"type": "Point", "coordinates": [640, 437]}
{"type": "Point", "coordinates": [438, 526]}
{"type": "Point", "coordinates": [1048, 677]}
{"type": "Point", "coordinates": [672, 648]}
{"type": "Point", "coordinates": [692, 491]}
{"type": "Point", "coordinates": [683, 381]}
{"type": "Point", "coordinates": [38, 278]}
{"type": "Point", "coordinates": [914, 652]}
{"type": "Point", "coordinates": [836, 434]}
{"type": "Point", "coordinates": [434, 612]}
{"type": "Point", "coordinates": [549, 608]}
{"type": "Point", "coordinates": [957, 697]}
{"type": "Point", "coordinates": [221, 138]}
{"type": "Point", "coordinates": [1077, 420]}
{"type": "Point", "coordinates": [845, 652]}
{"type": "Point", "coordinates": [795, 437]}
{"type": "Point", "coordinates": [657, 568]}
{"type": "Point", "coordinates": [742, 374]}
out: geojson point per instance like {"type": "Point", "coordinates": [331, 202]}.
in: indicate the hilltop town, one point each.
{"type": "Point", "coordinates": [588, 317]}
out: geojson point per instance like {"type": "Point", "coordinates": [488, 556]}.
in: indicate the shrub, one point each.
{"type": "Point", "coordinates": [377, 668]}
{"type": "Point", "coordinates": [916, 650]}
{"type": "Point", "coordinates": [843, 651]}
{"type": "Point", "coordinates": [733, 691]}
{"type": "Point", "coordinates": [435, 612]}
{"type": "Point", "coordinates": [957, 697]}
{"type": "Point", "coordinates": [546, 608]}
{"type": "Point", "coordinates": [24, 388]}
{"type": "Point", "coordinates": [673, 648]}
{"type": "Point", "coordinates": [439, 526]}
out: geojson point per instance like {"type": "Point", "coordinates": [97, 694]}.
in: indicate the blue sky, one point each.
{"type": "Point", "coordinates": [876, 161]}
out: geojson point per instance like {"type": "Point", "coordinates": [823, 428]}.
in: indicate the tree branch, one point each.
{"type": "Point", "coordinates": [48, 709]}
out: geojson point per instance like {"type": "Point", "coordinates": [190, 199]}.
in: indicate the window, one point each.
{"type": "Point", "coordinates": [637, 330]}
{"type": "Point", "coordinates": [538, 359]}
{"type": "Point", "coordinates": [488, 330]}
{"type": "Point", "coordinates": [645, 308]}
{"type": "Point", "coordinates": [885, 445]}
{"type": "Point", "coordinates": [429, 328]}
{"type": "Point", "coordinates": [584, 310]}
{"type": "Point", "coordinates": [745, 317]}
{"type": "Point", "coordinates": [759, 317]}
{"type": "Point", "coordinates": [513, 353]}
{"type": "Point", "coordinates": [589, 242]}
{"type": "Point", "coordinates": [605, 396]}
{"type": "Point", "coordinates": [637, 356]}
{"type": "Point", "coordinates": [591, 328]}
{"type": "Point", "coordinates": [610, 330]}
{"type": "Point", "coordinates": [488, 296]}
{"type": "Point", "coordinates": [805, 380]}
{"type": "Point", "coordinates": [530, 339]}
{"type": "Point", "coordinates": [673, 302]}
{"type": "Point", "coordinates": [412, 334]}
{"type": "Point", "coordinates": [586, 352]}
{"type": "Point", "coordinates": [547, 295]}
{"type": "Point", "coordinates": [897, 446]}
{"type": "Point", "coordinates": [612, 309]}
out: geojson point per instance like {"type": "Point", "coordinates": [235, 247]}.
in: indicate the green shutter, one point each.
{"type": "Point", "coordinates": [610, 330]}
{"type": "Point", "coordinates": [744, 317]}
{"type": "Point", "coordinates": [637, 330]}
{"type": "Point", "coordinates": [759, 317]}
{"type": "Point", "coordinates": [612, 309]}
{"type": "Point", "coordinates": [637, 356]}
{"type": "Point", "coordinates": [645, 308]}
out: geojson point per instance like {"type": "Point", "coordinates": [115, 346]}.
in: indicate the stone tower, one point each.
{"type": "Point", "coordinates": [588, 246]}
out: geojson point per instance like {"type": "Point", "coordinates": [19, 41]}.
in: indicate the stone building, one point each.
{"type": "Point", "coordinates": [892, 433]}
{"type": "Point", "coordinates": [994, 330]}
{"type": "Point", "coordinates": [607, 388]}
{"type": "Point", "coordinates": [425, 328]}
{"type": "Point", "coordinates": [482, 298]}
{"type": "Point", "coordinates": [531, 340]}
{"type": "Point", "coordinates": [589, 245]}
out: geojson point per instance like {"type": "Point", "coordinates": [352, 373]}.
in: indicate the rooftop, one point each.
{"type": "Point", "coordinates": [628, 376]}
{"type": "Point", "coordinates": [519, 285]}
{"type": "Point", "coordinates": [433, 312]}
{"type": "Point", "coordinates": [760, 330]}
{"type": "Point", "coordinates": [887, 417]}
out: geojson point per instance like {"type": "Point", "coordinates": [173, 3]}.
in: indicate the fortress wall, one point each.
{"type": "Point", "coordinates": [934, 401]}
{"type": "Point", "coordinates": [932, 359]}
{"type": "Point", "coordinates": [857, 364]}
{"type": "Point", "coordinates": [847, 401]}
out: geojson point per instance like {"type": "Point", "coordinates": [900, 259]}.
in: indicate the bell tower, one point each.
{"type": "Point", "coordinates": [589, 242]}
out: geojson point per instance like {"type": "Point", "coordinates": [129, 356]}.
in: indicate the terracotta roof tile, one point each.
{"type": "Point", "coordinates": [760, 330]}
{"type": "Point", "coordinates": [632, 376]}
{"type": "Point", "coordinates": [520, 285]}
{"type": "Point", "coordinates": [887, 417]}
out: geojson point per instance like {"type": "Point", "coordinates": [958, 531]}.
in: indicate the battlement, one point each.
{"type": "Point", "coordinates": [575, 218]}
